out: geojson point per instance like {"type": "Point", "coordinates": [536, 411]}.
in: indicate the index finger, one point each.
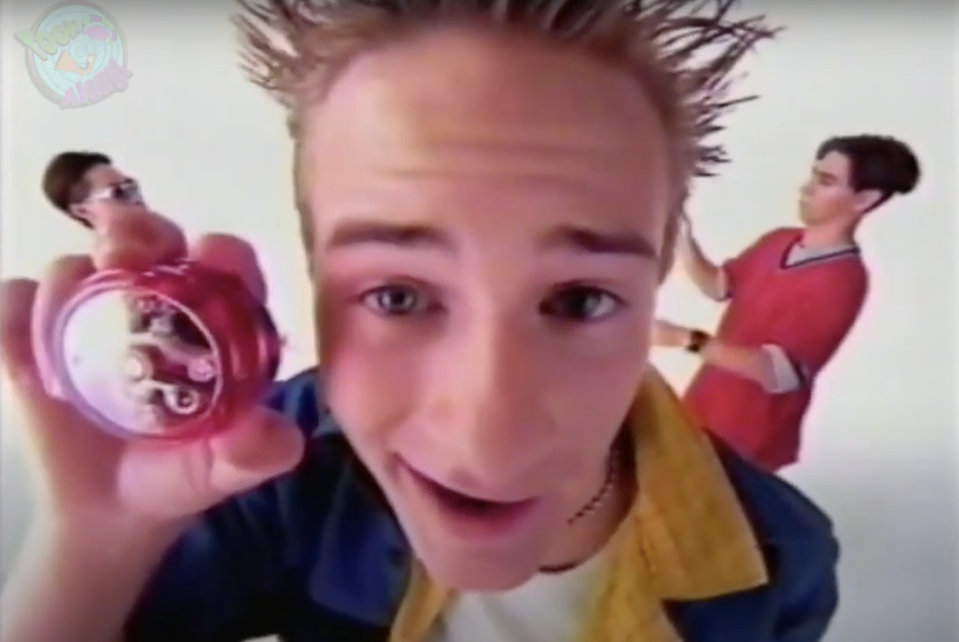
{"type": "Point", "coordinates": [232, 255]}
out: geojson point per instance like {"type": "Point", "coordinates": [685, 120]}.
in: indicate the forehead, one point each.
{"type": "Point", "coordinates": [484, 122]}
{"type": "Point", "coordinates": [104, 175]}
{"type": "Point", "coordinates": [834, 165]}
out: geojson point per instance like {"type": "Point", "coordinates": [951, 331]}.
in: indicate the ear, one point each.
{"type": "Point", "coordinates": [866, 200]}
{"type": "Point", "coordinates": [80, 213]}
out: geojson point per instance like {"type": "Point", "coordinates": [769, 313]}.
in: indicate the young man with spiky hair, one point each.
{"type": "Point", "coordinates": [794, 296]}
{"type": "Point", "coordinates": [488, 192]}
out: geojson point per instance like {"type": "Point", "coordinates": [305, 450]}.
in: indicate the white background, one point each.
{"type": "Point", "coordinates": [881, 452]}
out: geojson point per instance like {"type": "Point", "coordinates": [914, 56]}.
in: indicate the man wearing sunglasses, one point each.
{"type": "Point", "coordinates": [87, 187]}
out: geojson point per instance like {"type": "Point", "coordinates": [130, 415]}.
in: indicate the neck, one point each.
{"type": "Point", "coordinates": [585, 538]}
{"type": "Point", "coordinates": [829, 236]}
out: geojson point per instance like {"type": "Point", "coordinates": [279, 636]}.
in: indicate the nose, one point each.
{"type": "Point", "coordinates": [494, 417]}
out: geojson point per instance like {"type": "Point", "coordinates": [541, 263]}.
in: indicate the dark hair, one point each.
{"type": "Point", "coordinates": [64, 180]}
{"type": "Point", "coordinates": [880, 163]}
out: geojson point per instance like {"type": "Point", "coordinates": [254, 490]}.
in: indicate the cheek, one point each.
{"type": "Point", "coordinates": [829, 199]}
{"type": "Point", "coordinates": [370, 377]}
{"type": "Point", "coordinates": [595, 404]}
{"type": "Point", "coordinates": [596, 401]}
{"type": "Point", "coordinates": [597, 386]}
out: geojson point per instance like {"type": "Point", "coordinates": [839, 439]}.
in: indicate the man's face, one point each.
{"type": "Point", "coordinates": [110, 192]}
{"type": "Point", "coordinates": [488, 220]}
{"type": "Point", "coordinates": [827, 197]}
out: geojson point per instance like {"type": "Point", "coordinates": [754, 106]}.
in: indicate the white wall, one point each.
{"type": "Point", "coordinates": [881, 450]}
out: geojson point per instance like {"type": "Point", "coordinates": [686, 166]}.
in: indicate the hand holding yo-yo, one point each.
{"type": "Point", "coordinates": [140, 370]}
{"type": "Point", "coordinates": [176, 351]}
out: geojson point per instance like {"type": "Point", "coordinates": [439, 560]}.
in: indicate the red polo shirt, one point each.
{"type": "Point", "coordinates": [807, 308]}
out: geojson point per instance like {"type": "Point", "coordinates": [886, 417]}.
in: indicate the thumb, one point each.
{"type": "Point", "coordinates": [179, 480]}
{"type": "Point", "coordinates": [263, 445]}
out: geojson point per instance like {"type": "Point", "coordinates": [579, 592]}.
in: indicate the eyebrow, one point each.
{"type": "Point", "coordinates": [590, 241]}
{"type": "Point", "coordinates": [355, 233]}
{"type": "Point", "coordinates": [573, 238]}
{"type": "Point", "coordinates": [823, 175]}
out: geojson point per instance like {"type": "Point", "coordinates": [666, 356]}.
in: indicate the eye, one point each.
{"type": "Point", "coordinates": [397, 300]}
{"type": "Point", "coordinates": [581, 304]}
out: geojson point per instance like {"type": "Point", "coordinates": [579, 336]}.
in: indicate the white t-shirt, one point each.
{"type": "Point", "coordinates": [547, 608]}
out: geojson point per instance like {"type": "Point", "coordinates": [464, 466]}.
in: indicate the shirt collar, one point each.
{"type": "Point", "coordinates": [698, 540]}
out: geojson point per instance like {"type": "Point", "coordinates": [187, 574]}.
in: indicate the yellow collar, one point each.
{"type": "Point", "coordinates": [698, 542]}
{"type": "Point", "coordinates": [695, 541]}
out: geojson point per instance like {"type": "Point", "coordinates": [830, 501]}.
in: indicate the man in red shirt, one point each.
{"type": "Point", "coordinates": [793, 296]}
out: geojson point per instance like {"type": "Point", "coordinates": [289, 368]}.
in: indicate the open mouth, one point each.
{"type": "Point", "coordinates": [473, 516]}
{"type": "Point", "coordinates": [468, 504]}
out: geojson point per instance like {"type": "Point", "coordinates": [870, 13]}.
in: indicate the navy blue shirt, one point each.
{"type": "Point", "coordinates": [316, 556]}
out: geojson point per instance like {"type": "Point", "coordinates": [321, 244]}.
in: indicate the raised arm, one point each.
{"type": "Point", "coordinates": [708, 277]}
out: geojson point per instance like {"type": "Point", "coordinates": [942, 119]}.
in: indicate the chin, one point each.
{"type": "Point", "coordinates": [469, 543]}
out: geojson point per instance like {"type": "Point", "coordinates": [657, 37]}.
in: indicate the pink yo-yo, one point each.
{"type": "Point", "coordinates": [173, 353]}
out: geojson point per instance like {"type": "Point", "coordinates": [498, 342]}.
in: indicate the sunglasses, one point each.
{"type": "Point", "coordinates": [126, 192]}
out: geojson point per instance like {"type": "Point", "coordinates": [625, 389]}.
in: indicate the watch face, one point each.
{"type": "Point", "coordinates": [173, 353]}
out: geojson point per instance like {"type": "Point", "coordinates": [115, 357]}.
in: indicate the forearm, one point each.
{"type": "Point", "coordinates": [74, 586]}
{"type": "Point", "coordinates": [747, 362]}
{"type": "Point", "coordinates": [706, 275]}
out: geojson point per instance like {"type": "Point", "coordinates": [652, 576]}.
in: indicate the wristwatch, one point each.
{"type": "Point", "coordinates": [697, 341]}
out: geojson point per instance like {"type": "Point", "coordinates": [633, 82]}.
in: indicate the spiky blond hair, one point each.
{"type": "Point", "coordinates": [684, 52]}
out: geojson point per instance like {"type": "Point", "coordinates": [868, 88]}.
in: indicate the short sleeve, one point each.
{"type": "Point", "coordinates": [736, 270]}
{"type": "Point", "coordinates": [829, 310]}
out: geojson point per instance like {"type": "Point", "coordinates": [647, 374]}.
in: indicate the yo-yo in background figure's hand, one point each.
{"type": "Point", "coordinates": [88, 480]}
